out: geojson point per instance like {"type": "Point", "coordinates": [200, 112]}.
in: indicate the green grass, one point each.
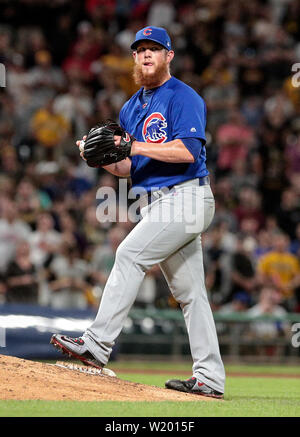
{"type": "Point", "coordinates": [187, 367]}
{"type": "Point", "coordinates": [244, 397]}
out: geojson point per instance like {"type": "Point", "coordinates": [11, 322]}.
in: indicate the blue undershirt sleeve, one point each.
{"type": "Point", "coordinates": [194, 146]}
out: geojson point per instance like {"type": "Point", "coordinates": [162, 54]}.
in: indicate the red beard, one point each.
{"type": "Point", "coordinates": [151, 80]}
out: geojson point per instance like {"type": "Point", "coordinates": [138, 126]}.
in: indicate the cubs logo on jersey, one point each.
{"type": "Point", "coordinates": [154, 128]}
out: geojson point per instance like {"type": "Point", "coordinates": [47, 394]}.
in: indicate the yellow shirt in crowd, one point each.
{"type": "Point", "coordinates": [281, 268]}
{"type": "Point", "coordinates": [49, 128]}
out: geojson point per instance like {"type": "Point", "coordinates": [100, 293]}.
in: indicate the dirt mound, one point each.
{"type": "Point", "coordinates": [23, 379]}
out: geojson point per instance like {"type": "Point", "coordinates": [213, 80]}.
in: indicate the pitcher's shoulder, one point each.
{"type": "Point", "coordinates": [182, 90]}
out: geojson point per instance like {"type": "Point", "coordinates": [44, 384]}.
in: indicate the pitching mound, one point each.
{"type": "Point", "coordinates": [23, 379]}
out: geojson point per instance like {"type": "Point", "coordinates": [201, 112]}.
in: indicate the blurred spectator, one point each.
{"type": "Point", "coordinates": [224, 192]}
{"type": "Point", "coordinates": [289, 18]}
{"type": "Point", "coordinates": [243, 275]}
{"type": "Point", "coordinates": [71, 182]}
{"type": "Point", "coordinates": [249, 206]}
{"type": "Point", "coordinates": [17, 82]}
{"type": "Point", "coordinates": [44, 79]}
{"type": "Point", "coordinates": [70, 233]}
{"type": "Point", "coordinates": [221, 96]}
{"type": "Point", "coordinates": [295, 243]}
{"type": "Point", "coordinates": [9, 123]}
{"type": "Point", "coordinates": [292, 149]}
{"type": "Point", "coordinates": [185, 71]}
{"type": "Point", "coordinates": [249, 226]}
{"type": "Point", "coordinates": [103, 257]}
{"type": "Point", "coordinates": [9, 162]}
{"type": "Point", "coordinates": [68, 275]}
{"type": "Point", "coordinates": [280, 269]}
{"type": "Point", "coordinates": [49, 129]}
{"type": "Point", "coordinates": [235, 140]}
{"type": "Point", "coordinates": [250, 75]}
{"type": "Point", "coordinates": [161, 13]}
{"type": "Point", "coordinates": [288, 212]}
{"type": "Point", "coordinates": [268, 305]}
{"type": "Point", "coordinates": [94, 233]}
{"type": "Point", "coordinates": [47, 176]}
{"type": "Point", "coordinates": [201, 40]}
{"type": "Point", "coordinates": [89, 38]}
{"type": "Point", "coordinates": [45, 241]}
{"type": "Point", "coordinates": [264, 244]}
{"type": "Point", "coordinates": [272, 165]}
{"type": "Point", "coordinates": [62, 37]}
{"type": "Point", "coordinates": [29, 201]}
{"type": "Point", "coordinates": [224, 215]}
{"type": "Point", "coordinates": [240, 302]}
{"type": "Point", "coordinates": [76, 107]}
{"type": "Point", "coordinates": [125, 37]}
{"type": "Point", "coordinates": [278, 104]}
{"type": "Point", "coordinates": [110, 94]}
{"type": "Point", "coordinates": [101, 11]}
{"type": "Point", "coordinates": [119, 65]}
{"type": "Point", "coordinates": [5, 43]}
{"type": "Point", "coordinates": [292, 92]}
{"type": "Point", "coordinates": [7, 188]}
{"type": "Point", "coordinates": [163, 298]}
{"type": "Point", "coordinates": [277, 53]}
{"type": "Point", "coordinates": [294, 180]}
{"type": "Point", "coordinates": [21, 277]}
{"type": "Point", "coordinates": [148, 290]}
{"type": "Point", "coordinates": [102, 262]}
{"type": "Point", "coordinates": [271, 225]}
{"type": "Point", "coordinates": [85, 50]}
{"type": "Point", "coordinates": [32, 42]}
{"type": "Point", "coordinates": [12, 231]}
{"type": "Point", "coordinates": [242, 175]}
{"type": "Point", "coordinates": [217, 264]}
{"type": "Point", "coordinates": [252, 110]}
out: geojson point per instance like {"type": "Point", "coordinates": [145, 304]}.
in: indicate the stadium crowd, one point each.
{"type": "Point", "coordinates": [68, 66]}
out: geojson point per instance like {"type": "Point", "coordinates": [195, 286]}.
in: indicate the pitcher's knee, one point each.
{"type": "Point", "coordinates": [124, 253]}
{"type": "Point", "coordinates": [128, 254]}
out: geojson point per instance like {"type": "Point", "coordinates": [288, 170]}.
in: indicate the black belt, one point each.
{"type": "Point", "coordinates": [196, 181]}
{"type": "Point", "coordinates": [204, 181]}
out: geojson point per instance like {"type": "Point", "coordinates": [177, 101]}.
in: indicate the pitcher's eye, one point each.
{"type": "Point", "coordinates": [152, 49]}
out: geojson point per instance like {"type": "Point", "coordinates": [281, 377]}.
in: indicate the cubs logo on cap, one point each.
{"type": "Point", "coordinates": [152, 33]}
{"type": "Point", "coordinates": [147, 31]}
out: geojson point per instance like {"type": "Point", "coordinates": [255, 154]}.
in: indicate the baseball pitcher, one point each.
{"type": "Point", "coordinates": [160, 144]}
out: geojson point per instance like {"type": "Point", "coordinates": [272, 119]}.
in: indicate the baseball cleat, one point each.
{"type": "Point", "coordinates": [194, 386]}
{"type": "Point", "coordinates": [86, 369]}
{"type": "Point", "coordinates": [75, 348]}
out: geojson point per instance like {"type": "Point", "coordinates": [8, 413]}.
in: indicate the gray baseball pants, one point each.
{"type": "Point", "coordinates": [166, 236]}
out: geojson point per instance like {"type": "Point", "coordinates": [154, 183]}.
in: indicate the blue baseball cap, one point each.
{"type": "Point", "coordinates": [152, 33]}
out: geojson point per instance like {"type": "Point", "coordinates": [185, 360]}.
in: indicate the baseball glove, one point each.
{"type": "Point", "coordinates": [99, 147]}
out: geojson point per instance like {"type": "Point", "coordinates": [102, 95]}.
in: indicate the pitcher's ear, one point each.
{"type": "Point", "coordinates": [171, 55]}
